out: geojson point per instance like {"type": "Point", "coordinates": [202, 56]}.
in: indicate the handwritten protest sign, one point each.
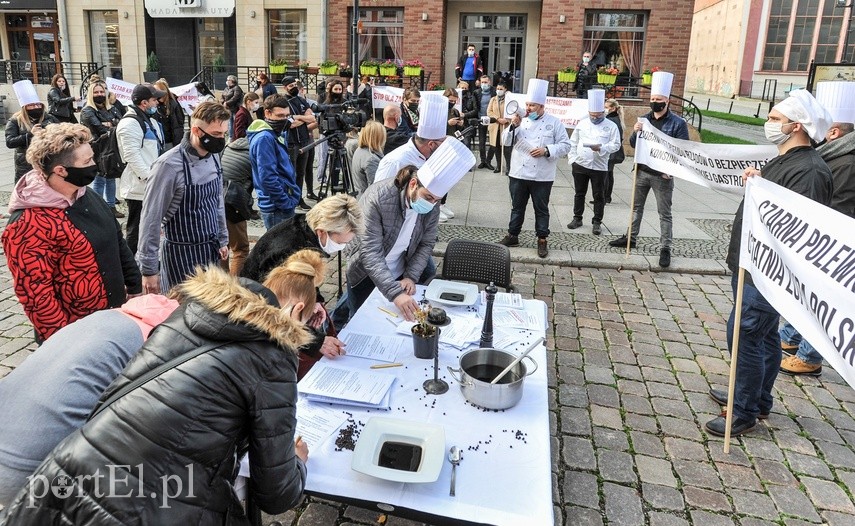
{"type": "Point", "coordinates": [716, 166]}
{"type": "Point", "coordinates": [802, 259]}
{"type": "Point", "coordinates": [186, 94]}
{"type": "Point", "coordinates": [121, 89]}
{"type": "Point", "coordinates": [383, 96]}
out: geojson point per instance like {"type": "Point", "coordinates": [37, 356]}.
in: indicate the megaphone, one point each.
{"type": "Point", "coordinates": [513, 107]}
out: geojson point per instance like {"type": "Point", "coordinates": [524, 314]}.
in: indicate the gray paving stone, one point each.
{"type": "Point", "coordinates": [834, 518]}
{"type": "Point", "coordinates": [794, 442]}
{"type": "Point", "coordinates": [675, 408]}
{"type": "Point", "coordinates": [575, 516]}
{"type": "Point", "coordinates": [808, 465]}
{"type": "Point", "coordinates": [662, 497]}
{"type": "Point", "coordinates": [735, 456]}
{"type": "Point", "coordinates": [632, 387]}
{"type": "Point", "coordinates": [623, 505]}
{"type": "Point", "coordinates": [641, 423]}
{"type": "Point", "coordinates": [753, 503]}
{"type": "Point", "coordinates": [699, 474]}
{"type": "Point", "coordinates": [655, 471]}
{"type": "Point", "coordinates": [616, 466]}
{"type": "Point", "coordinates": [791, 501]}
{"type": "Point", "coordinates": [685, 449]}
{"type": "Point", "coordinates": [604, 395]}
{"type": "Point", "coordinates": [636, 404]}
{"type": "Point", "coordinates": [684, 365]}
{"type": "Point", "coordinates": [693, 382]}
{"type": "Point", "coordinates": [802, 407]}
{"type": "Point", "coordinates": [706, 518]}
{"type": "Point", "coordinates": [774, 472]}
{"type": "Point", "coordinates": [819, 430]}
{"type": "Point", "coordinates": [316, 513]}
{"type": "Point", "coordinates": [679, 427]}
{"type": "Point", "coordinates": [581, 489]}
{"type": "Point", "coordinates": [610, 439]}
{"type": "Point", "coordinates": [706, 499]}
{"type": "Point", "coordinates": [15, 359]}
{"type": "Point", "coordinates": [751, 521]}
{"type": "Point", "coordinates": [828, 495]}
{"type": "Point", "coordinates": [572, 395]}
{"type": "Point", "coordinates": [839, 419]}
{"type": "Point", "coordinates": [606, 417]}
{"type": "Point", "coordinates": [764, 449]}
{"type": "Point", "coordinates": [599, 375]}
{"type": "Point", "coordinates": [658, 518]}
{"type": "Point", "coordinates": [733, 476]}
{"type": "Point", "coordinates": [575, 421]}
{"type": "Point", "coordinates": [578, 453]}
{"type": "Point", "coordinates": [821, 396]}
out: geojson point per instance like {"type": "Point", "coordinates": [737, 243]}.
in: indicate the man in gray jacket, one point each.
{"type": "Point", "coordinates": [401, 219]}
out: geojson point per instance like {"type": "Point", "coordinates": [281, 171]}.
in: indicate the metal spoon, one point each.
{"type": "Point", "coordinates": [454, 458]}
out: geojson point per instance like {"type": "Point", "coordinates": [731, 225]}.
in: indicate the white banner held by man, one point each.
{"type": "Point", "coordinates": [568, 111]}
{"type": "Point", "coordinates": [186, 94]}
{"type": "Point", "coordinates": [802, 259]}
{"type": "Point", "coordinates": [716, 166]}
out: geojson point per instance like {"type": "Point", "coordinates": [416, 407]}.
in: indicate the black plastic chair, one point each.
{"type": "Point", "coordinates": [478, 261]}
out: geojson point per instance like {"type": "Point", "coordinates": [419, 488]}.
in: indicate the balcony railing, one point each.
{"type": "Point", "coordinates": [41, 72]}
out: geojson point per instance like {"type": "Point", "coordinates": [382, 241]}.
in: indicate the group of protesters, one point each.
{"type": "Point", "coordinates": [155, 346]}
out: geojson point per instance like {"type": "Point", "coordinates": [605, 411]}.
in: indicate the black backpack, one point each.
{"type": "Point", "coordinates": [110, 162]}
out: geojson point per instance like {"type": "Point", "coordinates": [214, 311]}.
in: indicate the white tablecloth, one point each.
{"type": "Point", "coordinates": [505, 475]}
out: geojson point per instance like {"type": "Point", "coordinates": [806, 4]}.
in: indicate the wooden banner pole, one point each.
{"type": "Point", "coordinates": [631, 206]}
{"type": "Point", "coordinates": [734, 352]}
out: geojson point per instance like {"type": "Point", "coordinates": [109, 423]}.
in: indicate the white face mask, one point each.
{"type": "Point", "coordinates": [500, 92]}
{"type": "Point", "coordinates": [471, 53]}
{"type": "Point", "coordinates": [586, 59]}
{"type": "Point", "coordinates": [774, 133]}
{"type": "Point", "coordinates": [331, 247]}
{"type": "Point", "coordinates": [255, 107]}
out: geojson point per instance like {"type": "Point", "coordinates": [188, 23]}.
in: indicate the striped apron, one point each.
{"type": "Point", "coordinates": [191, 235]}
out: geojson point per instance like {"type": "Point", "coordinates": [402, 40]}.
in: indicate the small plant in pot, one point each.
{"type": "Point", "coordinates": [425, 335]}
{"type": "Point", "coordinates": [152, 68]}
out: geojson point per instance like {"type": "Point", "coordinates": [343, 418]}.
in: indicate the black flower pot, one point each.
{"type": "Point", "coordinates": [425, 347]}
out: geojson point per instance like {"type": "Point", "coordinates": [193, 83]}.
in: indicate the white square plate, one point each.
{"type": "Point", "coordinates": [379, 430]}
{"type": "Point", "coordinates": [438, 287]}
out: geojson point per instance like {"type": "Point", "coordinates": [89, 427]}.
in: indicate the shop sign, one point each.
{"type": "Point", "coordinates": [190, 8]}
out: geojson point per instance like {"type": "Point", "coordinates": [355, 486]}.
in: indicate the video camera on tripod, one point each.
{"type": "Point", "coordinates": [342, 117]}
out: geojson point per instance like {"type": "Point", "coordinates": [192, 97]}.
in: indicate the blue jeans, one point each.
{"type": "Point", "coordinates": [106, 188]}
{"type": "Point", "coordinates": [663, 189]}
{"type": "Point", "coordinates": [759, 358]}
{"type": "Point", "coordinates": [806, 352]}
{"type": "Point", "coordinates": [354, 296]}
{"type": "Point", "coordinates": [271, 219]}
{"type": "Point", "coordinates": [521, 190]}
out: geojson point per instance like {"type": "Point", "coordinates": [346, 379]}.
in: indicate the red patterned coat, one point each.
{"type": "Point", "coordinates": [67, 260]}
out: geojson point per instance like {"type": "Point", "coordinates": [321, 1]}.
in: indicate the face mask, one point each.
{"type": "Point", "coordinates": [413, 106]}
{"type": "Point", "coordinates": [421, 206]}
{"type": "Point", "coordinates": [598, 120]}
{"type": "Point", "coordinates": [255, 107]}
{"type": "Point", "coordinates": [658, 106]}
{"type": "Point", "coordinates": [470, 53]}
{"type": "Point", "coordinates": [35, 113]}
{"type": "Point", "coordinates": [81, 177]}
{"type": "Point", "coordinates": [212, 144]}
{"type": "Point", "coordinates": [278, 125]}
{"type": "Point", "coordinates": [450, 105]}
{"type": "Point", "coordinates": [485, 86]}
{"type": "Point", "coordinates": [331, 247]}
{"type": "Point", "coordinates": [500, 92]}
{"type": "Point", "coordinates": [293, 91]}
{"type": "Point", "coordinates": [774, 132]}
{"type": "Point", "coordinates": [151, 110]}
{"type": "Point", "coordinates": [99, 99]}
{"type": "Point", "coordinates": [533, 116]}
{"type": "Point", "coordinates": [400, 120]}
{"type": "Point", "coordinates": [586, 59]}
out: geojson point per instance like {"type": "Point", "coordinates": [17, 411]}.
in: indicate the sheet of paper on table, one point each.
{"type": "Point", "coordinates": [336, 384]}
{"type": "Point", "coordinates": [503, 299]}
{"type": "Point", "coordinates": [520, 319]}
{"type": "Point", "coordinates": [371, 346]}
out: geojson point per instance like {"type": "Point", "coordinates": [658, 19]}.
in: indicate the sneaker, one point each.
{"type": "Point", "coordinates": [542, 250]}
{"type": "Point", "coordinates": [576, 223]}
{"type": "Point", "coordinates": [795, 366]}
{"type": "Point", "coordinates": [665, 257]}
{"type": "Point", "coordinates": [718, 425]}
{"type": "Point", "coordinates": [443, 209]}
{"type": "Point", "coordinates": [117, 214]}
{"type": "Point", "coordinates": [621, 242]}
{"type": "Point", "coordinates": [721, 399]}
{"type": "Point", "coordinates": [788, 348]}
{"type": "Point", "coordinates": [510, 241]}
{"type": "Point", "coordinates": [442, 217]}
{"type": "Point", "coordinates": [597, 229]}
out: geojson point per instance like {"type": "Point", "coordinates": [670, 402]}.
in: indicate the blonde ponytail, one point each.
{"type": "Point", "coordinates": [298, 277]}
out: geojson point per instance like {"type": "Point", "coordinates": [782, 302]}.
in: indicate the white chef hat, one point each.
{"type": "Point", "coordinates": [433, 116]}
{"type": "Point", "coordinates": [446, 166]}
{"type": "Point", "coordinates": [537, 89]}
{"type": "Point", "coordinates": [661, 83]}
{"type": "Point", "coordinates": [838, 98]}
{"type": "Point", "coordinates": [26, 93]}
{"type": "Point", "coordinates": [803, 108]}
{"type": "Point", "coordinates": [596, 100]}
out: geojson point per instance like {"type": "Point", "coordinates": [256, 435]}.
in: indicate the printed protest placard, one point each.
{"type": "Point", "coordinates": [801, 257]}
{"type": "Point", "coordinates": [716, 166]}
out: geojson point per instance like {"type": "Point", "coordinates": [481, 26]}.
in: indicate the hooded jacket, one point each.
{"type": "Point", "coordinates": [191, 423]}
{"type": "Point", "coordinates": [139, 150]}
{"type": "Point", "coordinates": [67, 260]}
{"type": "Point", "coordinates": [273, 173]}
{"type": "Point", "coordinates": [839, 155]}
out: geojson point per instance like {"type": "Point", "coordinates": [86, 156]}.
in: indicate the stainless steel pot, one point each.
{"type": "Point", "coordinates": [477, 369]}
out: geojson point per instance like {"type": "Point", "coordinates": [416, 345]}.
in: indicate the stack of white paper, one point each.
{"type": "Point", "coordinates": [373, 347]}
{"type": "Point", "coordinates": [340, 385]}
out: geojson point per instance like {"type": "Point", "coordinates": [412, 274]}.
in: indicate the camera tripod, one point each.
{"type": "Point", "coordinates": [336, 158]}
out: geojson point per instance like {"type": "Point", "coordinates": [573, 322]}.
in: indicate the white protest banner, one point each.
{"type": "Point", "coordinates": [801, 257]}
{"type": "Point", "coordinates": [383, 96]}
{"type": "Point", "coordinates": [716, 166]}
{"type": "Point", "coordinates": [569, 111]}
{"type": "Point", "coordinates": [121, 89]}
{"type": "Point", "coordinates": [187, 95]}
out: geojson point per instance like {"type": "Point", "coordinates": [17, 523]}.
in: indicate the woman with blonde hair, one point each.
{"type": "Point", "coordinates": [372, 140]}
{"type": "Point", "coordinates": [170, 115]}
{"type": "Point", "coordinates": [64, 248]}
{"type": "Point", "coordinates": [614, 113]}
{"type": "Point", "coordinates": [101, 117]}
{"type": "Point", "coordinates": [235, 394]}
{"type": "Point", "coordinates": [326, 229]}
{"type": "Point", "coordinates": [25, 124]}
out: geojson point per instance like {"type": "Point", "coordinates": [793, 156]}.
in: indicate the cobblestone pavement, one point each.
{"type": "Point", "coordinates": [632, 355]}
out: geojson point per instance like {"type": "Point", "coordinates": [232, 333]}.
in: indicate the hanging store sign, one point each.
{"type": "Point", "coordinates": [190, 8]}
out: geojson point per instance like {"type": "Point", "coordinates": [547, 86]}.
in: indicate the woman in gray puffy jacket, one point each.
{"type": "Point", "coordinates": [166, 452]}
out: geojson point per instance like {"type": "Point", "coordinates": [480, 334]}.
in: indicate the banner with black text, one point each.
{"type": "Point", "coordinates": [801, 256]}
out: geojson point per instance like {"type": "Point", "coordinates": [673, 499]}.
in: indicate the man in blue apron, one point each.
{"type": "Point", "coordinates": [184, 197]}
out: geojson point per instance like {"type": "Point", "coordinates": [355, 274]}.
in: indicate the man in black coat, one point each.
{"type": "Point", "coordinates": [585, 76]}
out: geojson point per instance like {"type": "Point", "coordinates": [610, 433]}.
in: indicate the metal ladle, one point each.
{"type": "Point", "coordinates": [518, 360]}
{"type": "Point", "coordinates": [454, 458]}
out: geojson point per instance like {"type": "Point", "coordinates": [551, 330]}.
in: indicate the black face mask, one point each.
{"type": "Point", "coordinates": [81, 176]}
{"type": "Point", "coordinates": [35, 113]}
{"type": "Point", "coordinates": [99, 99]}
{"type": "Point", "coordinates": [413, 106]}
{"type": "Point", "coordinates": [658, 106]}
{"type": "Point", "coordinates": [293, 91]}
{"type": "Point", "coordinates": [212, 144]}
{"type": "Point", "coordinates": [278, 125]}
{"type": "Point", "coordinates": [450, 105]}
